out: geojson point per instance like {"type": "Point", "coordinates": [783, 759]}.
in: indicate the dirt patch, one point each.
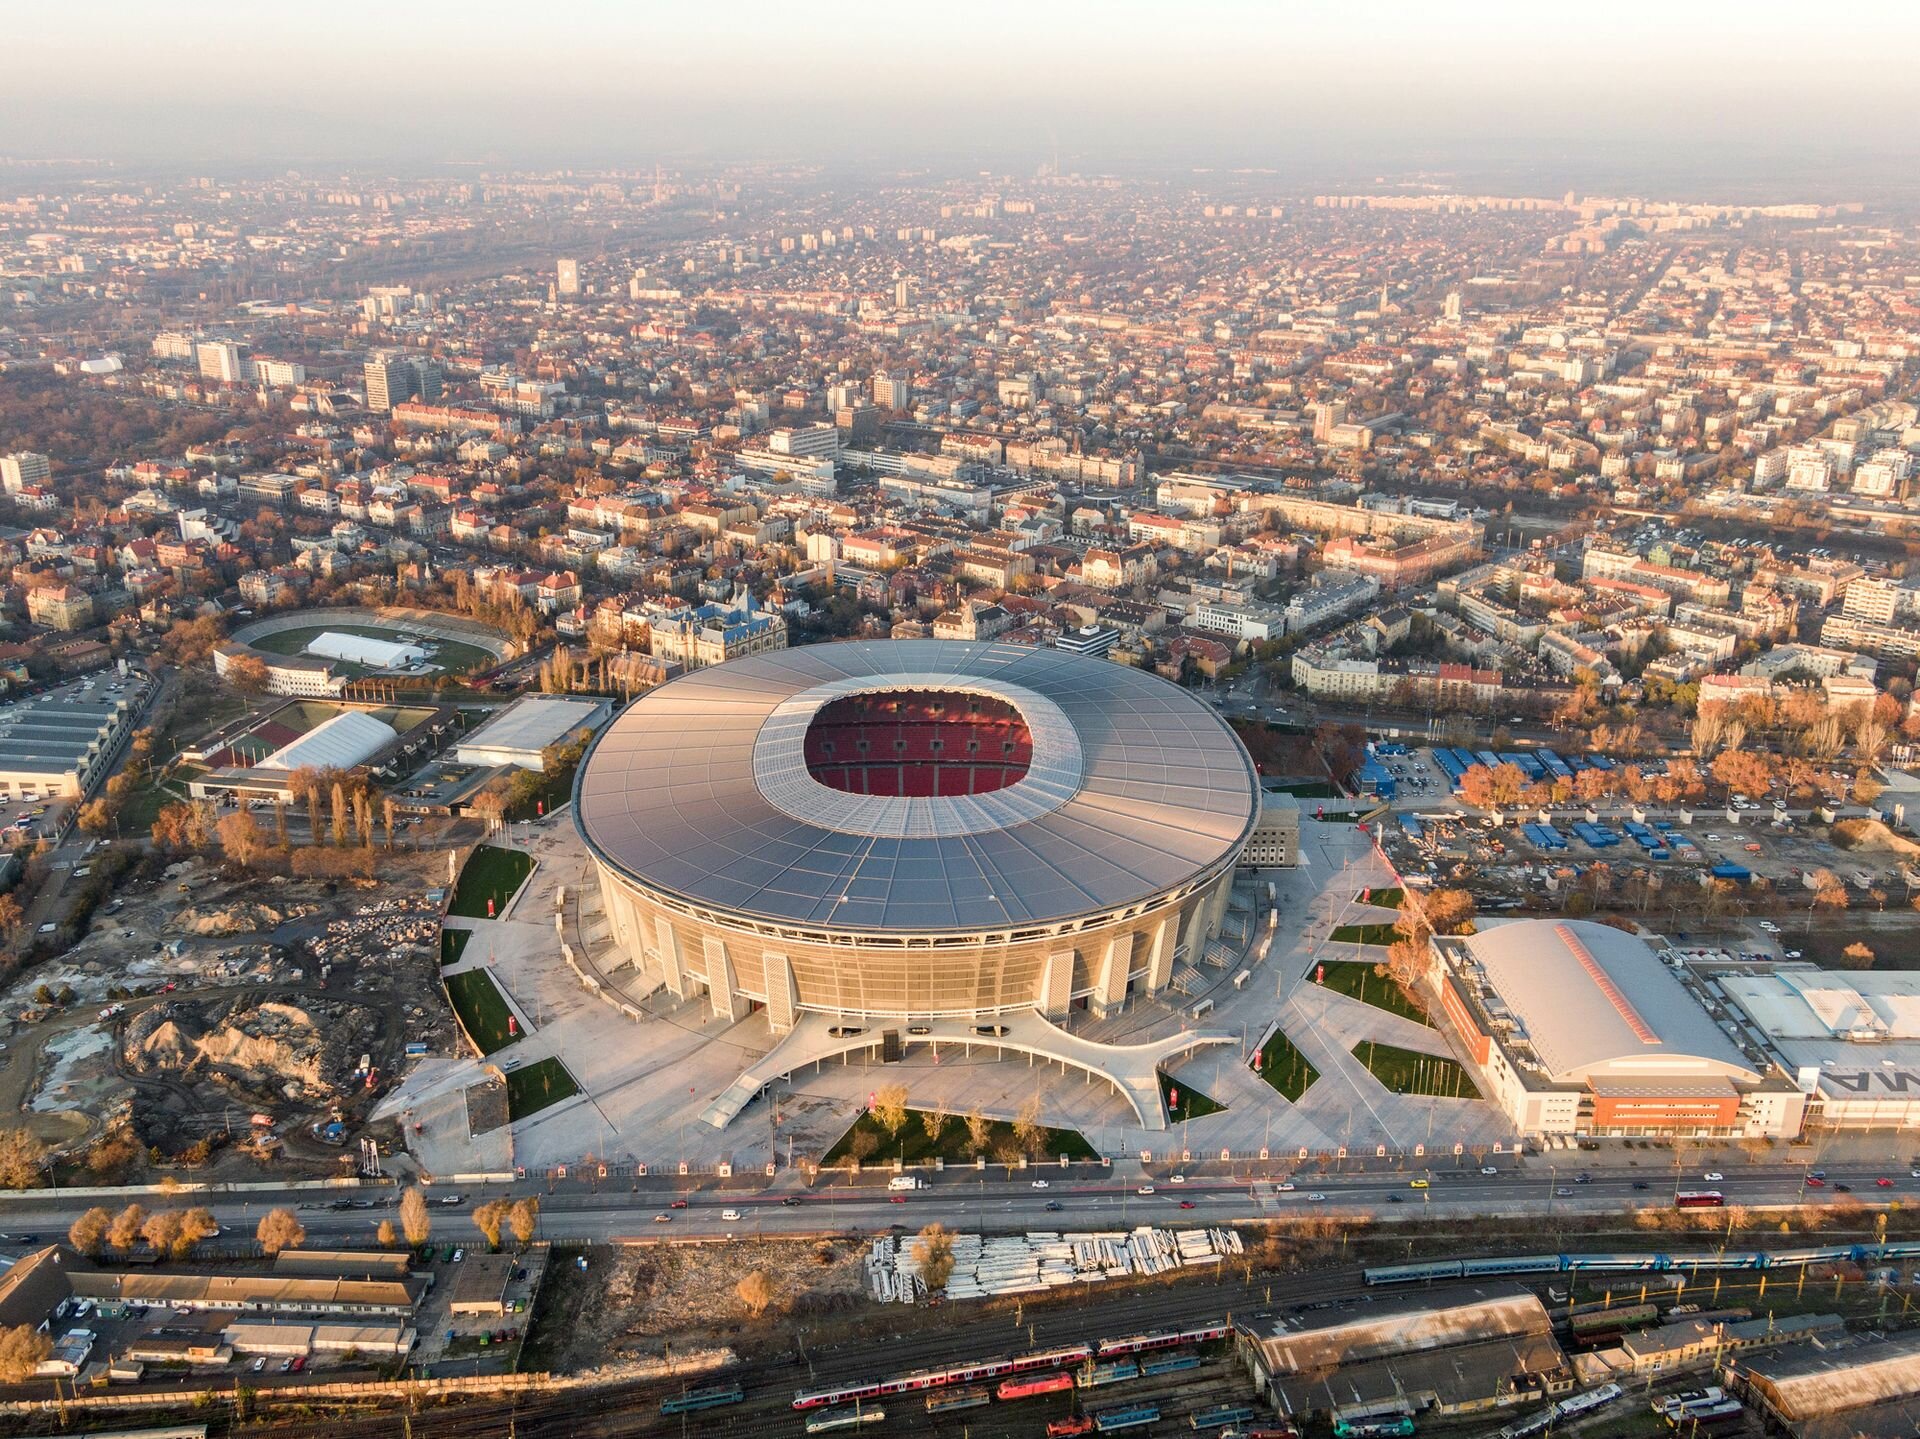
{"type": "Point", "coordinates": [648, 1294]}
{"type": "Point", "coordinates": [1867, 836]}
{"type": "Point", "coordinates": [246, 917]}
{"type": "Point", "coordinates": [266, 1049]}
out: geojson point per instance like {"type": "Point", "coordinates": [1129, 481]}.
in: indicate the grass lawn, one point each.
{"type": "Point", "coordinates": [555, 790]}
{"type": "Point", "coordinates": [491, 873]}
{"type": "Point", "coordinates": [537, 1086]}
{"type": "Point", "coordinates": [1827, 948]}
{"type": "Point", "coordinates": [1284, 1067]}
{"type": "Point", "coordinates": [482, 1010]}
{"type": "Point", "coordinates": [1363, 934]}
{"type": "Point", "coordinates": [1356, 980]}
{"type": "Point", "coordinates": [1381, 898]}
{"type": "Point", "coordinates": [955, 1145]}
{"type": "Point", "coordinates": [1193, 1104]}
{"type": "Point", "coordinates": [1407, 1071]}
{"type": "Point", "coordinates": [444, 656]}
{"type": "Point", "coordinates": [453, 943]}
{"type": "Point", "coordinates": [144, 804]}
{"type": "Point", "coordinates": [1305, 789]}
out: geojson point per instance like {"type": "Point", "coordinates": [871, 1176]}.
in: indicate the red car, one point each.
{"type": "Point", "coordinates": [1884, 1183]}
{"type": "Point", "coordinates": [1186, 1204]}
{"type": "Point", "coordinates": [299, 1363]}
{"type": "Point", "coordinates": [1814, 1181]}
{"type": "Point", "coordinates": [897, 1199]}
{"type": "Point", "coordinates": [678, 1204]}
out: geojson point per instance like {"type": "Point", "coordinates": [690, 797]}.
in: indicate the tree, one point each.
{"type": "Point", "coordinates": [979, 1132]}
{"type": "Point", "coordinates": [1450, 911]}
{"type": "Point", "coordinates": [22, 1348]}
{"type": "Point", "coordinates": [489, 1218]}
{"type": "Point", "coordinates": [416, 1222]}
{"type": "Point", "coordinates": [384, 1234]}
{"type": "Point", "coordinates": [1743, 770]}
{"type": "Point", "coordinates": [756, 1292]}
{"type": "Point", "coordinates": [1858, 955]}
{"type": "Point", "coordinates": [177, 827]}
{"type": "Point", "coordinates": [124, 1232]}
{"type": "Point", "coordinates": [279, 1230]}
{"type": "Point", "coordinates": [890, 1107]}
{"type": "Point", "coordinates": [162, 1231]}
{"type": "Point", "coordinates": [11, 918]}
{"type": "Point", "coordinates": [1028, 1132]}
{"type": "Point", "coordinates": [863, 1144]}
{"type": "Point", "coordinates": [95, 816]}
{"type": "Point", "coordinates": [249, 674]}
{"type": "Point", "coordinates": [88, 1233]}
{"type": "Point", "coordinates": [339, 815]}
{"type": "Point", "coordinates": [242, 838]}
{"type": "Point", "coordinates": [934, 1121]}
{"type": "Point", "coordinates": [933, 1252]}
{"type": "Point", "coordinates": [23, 1159]}
{"type": "Point", "coordinates": [1829, 892]}
{"type": "Point", "coordinates": [524, 1219]}
{"type": "Point", "coordinates": [195, 1225]}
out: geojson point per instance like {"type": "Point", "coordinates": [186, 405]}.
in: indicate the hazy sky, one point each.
{"type": "Point", "coordinates": [1335, 83]}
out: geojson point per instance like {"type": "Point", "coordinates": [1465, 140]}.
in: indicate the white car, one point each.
{"type": "Point", "coordinates": [1714, 838]}
{"type": "Point", "coordinates": [1285, 1186]}
{"type": "Point", "coordinates": [1488, 1169]}
{"type": "Point", "coordinates": [1040, 1184]}
{"type": "Point", "coordinates": [1316, 1198]}
{"type": "Point", "coordinates": [1179, 1179]}
{"type": "Point", "coordinates": [1144, 1189]}
{"type": "Point", "coordinates": [730, 1214]}
{"type": "Point", "coordinates": [1713, 1176]}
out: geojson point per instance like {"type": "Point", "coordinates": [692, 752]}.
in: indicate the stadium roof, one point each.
{"type": "Point", "coordinates": [700, 790]}
{"type": "Point", "coordinates": [533, 722]}
{"type": "Point", "coordinates": [1594, 1001]}
{"type": "Point", "coordinates": [348, 739]}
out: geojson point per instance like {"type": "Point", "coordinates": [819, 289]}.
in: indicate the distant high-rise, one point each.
{"type": "Point", "coordinates": [391, 379]}
{"type": "Point", "coordinates": [1326, 414]}
{"type": "Point", "coordinates": [1452, 311]}
{"type": "Point", "coordinates": [902, 293]}
{"type": "Point", "coordinates": [23, 468]}
{"type": "Point", "coordinates": [221, 360]}
{"type": "Point", "coordinates": [890, 393]}
{"type": "Point", "coordinates": [567, 276]}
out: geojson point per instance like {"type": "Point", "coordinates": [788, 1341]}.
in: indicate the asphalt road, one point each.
{"type": "Point", "coordinates": [619, 1210]}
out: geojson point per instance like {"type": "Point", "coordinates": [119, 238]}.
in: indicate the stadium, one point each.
{"type": "Point", "coordinates": [918, 833]}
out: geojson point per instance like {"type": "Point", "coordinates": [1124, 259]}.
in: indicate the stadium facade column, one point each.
{"type": "Point", "coordinates": [1160, 955]}
{"type": "Point", "coordinates": [723, 985]}
{"type": "Point", "coordinates": [1110, 981]}
{"type": "Point", "coordinates": [673, 968]}
{"type": "Point", "coordinates": [783, 995]}
{"type": "Point", "coordinates": [1056, 985]}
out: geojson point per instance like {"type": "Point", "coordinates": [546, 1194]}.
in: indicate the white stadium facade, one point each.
{"type": "Point", "coordinates": [938, 839]}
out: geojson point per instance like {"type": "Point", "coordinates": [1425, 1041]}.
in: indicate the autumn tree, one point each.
{"type": "Point", "coordinates": [416, 1222]}
{"type": "Point", "coordinates": [385, 1235]}
{"type": "Point", "coordinates": [890, 1107]}
{"type": "Point", "coordinates": [249, 674]}
{"type": "Point", "coordinates": [242, 838]}
{"type": "Point", "coordinates": [23, 1159]}
{"type": "Point", "coordinates": [1028, 1132]}
{"type": "Point", "coordinates": [1829, 893]}
{"type": "Point", "coordinates": [490, 1218]}
{"type": "Point", "coordinates": [934, 1122]}
{"type": "Point", "coordinates": [524, 1219]}
{"type": "Point", "coordinates": [1450, 911]}
{"type": "Point", "coordinates": [22, 1349]}
{"type": "Point", "coordinates": [979, 1132]}
{"type": "Point", "coordinates": [124, 1232]}
{"type": "Point", "coordinates": [11, 918]}
{"type": "Point", "coordinates": [756, 1292]}
{"type": "Point", "coordinates": [195, 1225]}
{"type": "Point", "coordinates": [180, 827]}
{"type": "Point", "coordinates": [933, 1253]}
{"type": "Point", "coordinates": [1743, 771]}
{"type": "Point", "coordinates": [279, 1230]}
{"type": "Point", "coordinates": [162, 1231]}
{"type": "Point", "coordinates": [1858, 955]}
{"type": "Point", "coordinates": [95, 816]}
{"type": "Point", "coordinates": [88, 1233]}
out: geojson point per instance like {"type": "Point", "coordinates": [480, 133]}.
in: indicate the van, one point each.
{"type": "Point", "coordinates": [906, 1181]}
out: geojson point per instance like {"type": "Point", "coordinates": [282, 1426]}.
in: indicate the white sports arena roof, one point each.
{"type": "Point", "coordinates": [527, 726]}
{"type": "Point", "coordinates": [342, 742]}
{"type": "Point", "coordinates": [1816, 1004]}
{"type": "Point", "coordinates": [364, 650]}
{"type": "Point", "coordinates": [1596, 1002]}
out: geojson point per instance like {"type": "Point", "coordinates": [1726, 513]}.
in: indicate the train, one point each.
{"type": "Point", "coordinates": [1130, 1416]}
{"type": "Point", "coordinates": [969, 1396]}
{"type": "Point", "coordinates": [1114, 1371]}
{"type": "Point", "coordinates": [846, 1419]}
{"type": "Point", "coordinates": [1063, 1357]}
{"type": "Point", "coordinates": [694, 1400]}
{"type": "Point", "coordinates": [1567, 1408]}
{"type": "Point", "coordinates": [1397, 1426]}
{"type": "Point", "coordinates": [1220, 1416]}
{"type": "Point", "coordinates": [1162, 1339]}
{"type": "Point", "coordinates": [1634, 1263]}
{"type": "Point", "coordinates": [1028, 1385]}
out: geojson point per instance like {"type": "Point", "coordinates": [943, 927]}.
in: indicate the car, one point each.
{"type": "Point", "coordinates": [1793, 954]}
{"type": "Point", "coordinates": [1144, 1189]}
{"type": "Point", "coordinates": [1843, 1189]}
{"type": "Point", "coordinates": [1563, 1192]}
{"type": "Point", "coordinates": [1053, 1206]}
{"type": "Point", "coordinates": [678, 1204]}
{"type": "Point", "coordinates": [1713, 1176]}
{"type": "Point", "coordinates": [1179, 1179]}
{"type": "Point", "coordinates": [729, 1214]}
{"type": "Point", "coordinates": [1187, 1204]}
{"type": "Point", "coordinates": [791, 1201]}
{"type": "Point", "coordinates": [896, 1199]}
{"type": "Point", "coordinates": [1316, 1199]}
{"type": "Point", "coordinates": [1641, 1184]}
{"type": "Point", "coordinates": [48, 928]}
{"type": "Point", "coordinates": [1286, 1186]}
{"type": "Point", "coordinates": [1393, 1199]}
{"type": "Point", "coordinates": [1814, 1181]}
{"type": "Point", "coordinates": [258, 1364]}
{"type": "Point", "coordinates": [1583, 1178]}
{"type": "Point", "coordinates": [1883, 1183]}
{"type": "Point", "coordinates": [286, 1366]}
{"type": "Point", "coordinates": [1488, 1169]}
{"type": "Point", "coordinates": [1819, 1173]}
{"type": "Point", "coordinates": [1417, 1184]}
{"type": "Point", "coordinates": [1040, 1184]}
{"type": "Point", "coordinates": [663, 1218]}
{"type": "Point", "coordinates": [299, 1363]}
{"type": "Point", "coordinates": [450, 1201]}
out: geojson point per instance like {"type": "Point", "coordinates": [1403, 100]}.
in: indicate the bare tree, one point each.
{"type": "Point", "coordinates": [416, 1222]}
{"type": "Point", "coordinates": [933, 1252]}
{"type": "Point", "coordinates": [756, 1292]}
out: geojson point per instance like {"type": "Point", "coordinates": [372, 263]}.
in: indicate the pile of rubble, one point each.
{"type": "Point", "coordinates": [378, 928]}
{"type": "Point", "coordinates": [267, 1048]}
{"type": "Point", "coordinates": [237, 917]}
{"type": "Point", "coordinates": [986, 1266]}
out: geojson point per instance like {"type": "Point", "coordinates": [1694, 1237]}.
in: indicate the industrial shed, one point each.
{"type": "Point", "coordinates": [1484, 1351]}
{"type": "Point", "coordinates": [1869, 1388]}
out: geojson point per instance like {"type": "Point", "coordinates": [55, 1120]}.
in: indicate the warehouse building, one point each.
{"type": "Point", "coordinates": [1580, 1028]}
{"type": "Point", "coordinates": [1406, 1356]}
{"type": "Point", "coordinates": [306, 1341]}
{"type": "Point", "coordinates": [522, 732]}
{"type": "Point", "coordinates": [56, 745]}
{"type": "Point", "coordinates": [1851, 1040]}
{"type": "Point", "coordinates": [1836, 1393]}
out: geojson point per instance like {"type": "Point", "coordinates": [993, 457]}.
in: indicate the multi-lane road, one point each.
{"type": "Point", "coordinates": [654, 1209]}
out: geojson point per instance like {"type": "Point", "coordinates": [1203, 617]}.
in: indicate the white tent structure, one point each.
{"type": "Point", "coordinates": [365, 650]}
{"type": "Point", "coordinates": [342, 742]}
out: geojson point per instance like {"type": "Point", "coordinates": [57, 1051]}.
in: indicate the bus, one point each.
{"type": "Point", "coordinates": [1699, 1199]}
